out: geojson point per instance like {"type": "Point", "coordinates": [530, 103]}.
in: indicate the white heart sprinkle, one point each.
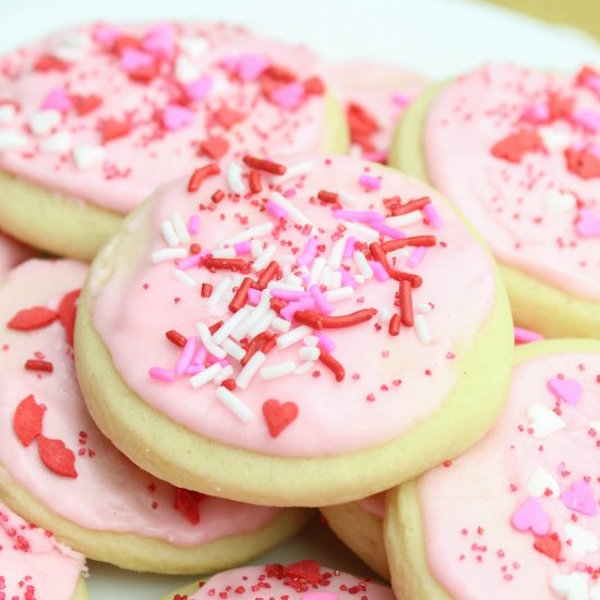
{"type": "Point", "coordinates": [68, 53]}
{"type": "Point", "coordinates": [186, 70]}
{"type": "Point", "coordinates": [59, 143]}
{"type": "Point", "coordinates": [571, 587]}
{"type": "Point", "coordinates": [194, 46]}
{"type": "Point", "coordinates": [43, 122]}
{"type": "Point", "coordinates": [540, 481]}
{"type": "Point", "coordinates": [558, 203]}
{"type": "Point", "coordinates": [583, 541]}
{"type": "Point", "coordinates": [12, 140]}
{"type": "Point", "coordinates": [554, 139]}
{"type": "Point", "coordinates": [88, 156]}
{"type": "Point", "coordinates": [76, 39]}
{"type": "Point", "coordinates": [7, 113]}
{"type": "Point", "coordinates": [543, 420]}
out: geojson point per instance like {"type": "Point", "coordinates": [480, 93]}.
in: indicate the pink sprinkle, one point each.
{"type": "Point", "coordinates": [57, 99]}
{"type": "Point", "coordinates": [319, 299]}
{"type": "Point", "coordinates": [593, 83]}
{"type": "Point", "coordinates": [287, 312]}
{"type": "Point", "coordinates": [159, 41]}
{"type": "Point", "coordinates": [289, 95]}
{"type": "Point", "coordinates": [395, 234]}
{"type": "Point", "coordinates": [525, 336]}
{"type": "Point", "coordinates": [538, 113]}
{"type": "Point", "coordinates": [432, 215]}
{"type": "Point", "coordinates": [161, 374]}
{"type": "Point", "coordinates": [105, 35]}
{"type": "Point", "coordinates": [307, 256]}
{"type": "Point", "coordinates": [289, 193]}
{"type": "Point", "coordinates": [416, 256]}
{"type": "Point", "coordinates": [375, 156]}
{"type": "Point", "coordinates": [193, 369]}
{"type": "Point", "coordinates": [594, 149]}
{"type": "Point", "coordinates": [200, 356]}
{"type": "Point", "coordinates": [230, 64]}
{"type": "Point", "coordinates": [190, 261]}
{"type": "Point", "coordinates": [325, 341]}
{"type": "Point", "coordinates": [367, 181]}
{"type": "Point", "coordinates": [348, 278]}
{"type": "Point", "coordinates": [242, 248]}
{"type": "Point", "coordinates": [361, 216]}
{"type": "Point", "coordinates": [196, 90]}
{"type": "Point", "coordinates": [378, 270]}
{"type": "Point", "coordinates": [213, 359]}
{"type": "Point", "coordinates": [400, 99]}
{"type": "Point", "coordinates": [193, 225]}
{"type": "Point", "coordinates": [177, 117]}
{"type": "Point", "coordinates": [587, 224]}
{"type": "Point", "coordinates": [349, 247]}
{"type": "Point", "coordinates": [254, 296]}
{"type": "Point", "coordinates": [187, 354]}
{"type": "Point", "coordinates": [250, 66]}
{"type": "Point", "coordinates": [132, 60]}
{"type": "Point", "coordinates": [288, 295]}
{"type": "Point", "coordinates": [588, 119]}
{"type": "Point", "coordinates": [277, 211]}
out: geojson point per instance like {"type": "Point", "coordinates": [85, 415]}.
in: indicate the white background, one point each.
{"type": "Point", "coordinates": [436, 37]}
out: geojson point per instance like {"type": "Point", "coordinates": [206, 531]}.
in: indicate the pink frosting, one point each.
{"type": "Point", "coordinates": [201, 69]}
{"type": "Point", "coordinates": [109, 493]}
{"type": "Point", "coordinates": [537, 215]}
{"type": "Point", "coordinates": [11, 253]}
{"type": "Point", "coordinates": [374, 505]}
{"type": "Point", "coordinates": [398, 383]}
{"type": "Point", "coordinates": [535, 471]}
{"type": "Point", "coordinates": [275, 581]}
{"type": "Point", "coordinates": [374, 92]}
{"type": "Point", "coordinates": [33, 564]}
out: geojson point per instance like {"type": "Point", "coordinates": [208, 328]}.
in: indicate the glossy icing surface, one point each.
{"type": "Point", "coordinates": [517, 514]}
{"type": "Point", "coordinates": [87, 481]}
{"type": "Point", "coordinates": [518, 151]}
{"type": "Point", "coordinates": [106, 113]}
{"type": "Point", "coordinates": [382, 384]}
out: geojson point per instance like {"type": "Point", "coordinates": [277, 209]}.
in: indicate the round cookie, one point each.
{"type": "Point", "coordinates": [304, 580]}
{"type": "Point", "coordinates": [517, 514]}
{"type": "Point", "coordinates": [61, 473]}
{"type": "Point", "coordinates": [374, 96]}
{"type": "Point", "coordinates": [92, 119]}
{"type": "Point", "coordinates": [518, 151]}
{"type": "Point", "coordinates": [11, 253]}
{"type": "Point", "coordinates": [34, 564]}
{"type": "Point", "coordinates": [320, 371]}
{"type": "Point", "coordinates": [360, 526]}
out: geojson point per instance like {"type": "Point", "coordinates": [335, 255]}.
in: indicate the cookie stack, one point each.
{"type": "Point", "coordinates": [269, 326]}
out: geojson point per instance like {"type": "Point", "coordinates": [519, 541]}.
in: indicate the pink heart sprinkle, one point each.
{"type": "Point", "coordinates": [57, 99]}
{"type": "Point", "coordinates": [250, 66]}
{"type": "Point", "coordinates": [176, 117]}
{"type": "Point", "coordinates": [196, 90]}
{"type": "Point", "coordinates": [320, 596]}
{"type": "Point", "coordinates": [289, 95]}
{"type": "Point", "coordinates": [593, 83]}
{"type": "Point", "coordinates": [587, 224]}
{"type": "Point", "coordinates": [132, 59]}
{"type": "Point", "coordinates": [159, 41]}
{"type": "Point", "coordinates": [580, 497]}
{"type": "Point", "coordinates": [567, 390]}
{"type": "Point", "coordinates": [588, 119]}
{"type": "Point", "coordinates": [538, 113]}
{"type": "Point", "coordinates": [531, 515]}
{"type": "Point", "coordinates": [105, 35]}
{"type": "Point", "coordinates": [230, 64]}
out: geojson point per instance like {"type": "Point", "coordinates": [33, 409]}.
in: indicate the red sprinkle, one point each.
{"type": "Point", "coordinates": [27, 420]}
{"type": "Point", "coordinates": [57, 457]}
{"type": "Point", "coordinates": [218, 196]}
{"type": "Point", "coordinates": [67, 311]}
{"type": "Point", "coordinates": [406, 309]}
{"type": "Point", "coordinates": [227, 118]}
{"type": "Point", "coordinates": [241, 296]}
{"type": "Point", "coordinates": [277, 304]}
{"type": "Point", "coordinates": [410, 206]}
{"type": "Point", "coordinates": [314, 86]}
{"type": "Point", "coordinates": [262, 164]}
{"type": "Point", "coordinates": [39, 365]}
{"type": "Point", "coordinates": [199, 175]}
{"type": "Point", "coordinates": [226, 264]}
{"type": "Point", "coordinates": [415, 280]}
{"type": "Point", "coordinates": [316, 320]}
{"type": "Point", "coordinates": [279, 415]}
{"type": "Point", "coordinates": [176, 338]}
{"type": "Point", "coordinates": [111, 129]}
{"type": "Point", "coordinates": [583, 163]}
{"type": "Point", "coordinates": [214, 147]}
{"type": "Point", "coordinates": [267, 275]}
{"type": "Point", "coordinates": [206, 290]}
{"type": "Point", "coordinates": [256, 343]}
{"type": "Point", "coordinates": [188, 503]}
{"type": "Point", "coordinates": [229, 384]}
{"type": "Point", "coordinates": [254, 182]}
{"type": "Point", "coordinates": [328, 197]}
{"type": "Point", "coordinates": [515, 145]}
{"type": "Point", "coordinates": [394, 326]}
{"type": "Point", "coordinates": [85, 104]}
{"type": "Point", "coordinates": [418, 240]}
{"type": "Point", "coordinates": [215, 327]}
{"type": "Point", "coordinates": [332, 364]}
{"type": "Point", "coordinates": [35, 317]}
{"type": "Point", "coordinates": [47, 62]}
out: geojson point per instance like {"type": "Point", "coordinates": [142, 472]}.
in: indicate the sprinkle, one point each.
{"type": "Point", "coordinates": [39, 365]}
{"type": "Point", "coordinates": [59, 143]}
{"type": "Point", "coordinates": [185, 278]}
{"type": "Point", "coordinates": [208, 343]}
{"type": "Point", "coordinates": [223, 253]}
{"type": "Point", "coordinates": [384, 229]}
{"type": "Point", "coordinates": [161, 374]}
{"type": "Point", "coordinates": [199, 175]}
{"type": "Point", "coordinates": [225, 373]}
{"type": "Point", "coordinates": [294, 171]}
{"type": "Point", "coordinates": [525, 336]}
{"type": "Point", "coordinates": [332, 364]}
{"type": "Point", "coordinates": [295, 293]}
{"type": "Point", "coordinates": [372, 183]}
{"type": "Point", "coordinates": [337, 252]}
{"type": "Point", "coordinates": [365, 233]}
{"type": "Point", "coordinates": [168, 254]}
{"type": "Point", "coordinates": [293, 336]}
{"type": "Point", "coordinates": [433, 216]}
{"type": "Point", "coordinates": [278, 370]}
{"type": "Point", "coordinates": [12, 140]}
{"type": "Point", "coordinates": [277, 211]}
{"type": "Point", "coordinates": [362, 264]}
{"type": "Point", "coordinates": [267, 275]}
{"type": "Point", "coordinates": [175, 117]}
{"type": "Point", "coordinates": [190, 261]}
{"type": "Point", "coordinates": [254, 296]}
{"type": "Point", "coordinates": [206, 290]}
{"type": "Point", "coordinates": [176, 338]}
{"type": "Point", "coordinates": [328, 197]}
{"type": "Point", "coordinates": [225, 264]}
{"type": "Point", "coordinates": [384, 315]}
{"type": "Point", "coordinates": [411, 206]}
{"type": "Point", "coordinates": [261, 164]}
{"type": "Point", "coordinates": [189, 350]}
{"type": "Point", "coordinates": [180, 229]}
{"type": "Point", "coordinates": [251, 233]}
{"type": "Point", "coordinates": [241, 296]}
{"type": "Point", "coordinates": [307, 256]}
{"type": "Point", "coordinates": [43, 122]}
{"type": "Point", "coordinates": [8, 112]}
{"type": "Point", "coordinates": [319, 321]}
{"type": "Point", "coordinates": [424, 307]}
{"type": "Point", "coordinates": [88, 156]}
{"type": "Point", "coordinates": [234, 404]}
{"type": "Point", "coordinates": [205, 376]}
{"type": "Point", "coordinates": [394, 324]}
{"type": "Point", "coordinates": [405, 219]}
{"type": "Point", "coordinates": [416, 257]}
{"type": "Point", "coordinates": [361, 216]}
{"type": "Point", "coordinates": [233, 349]}
{"type": "Point", "coordinates": [251, 368]}
{"type": "Point", "coordinates": [320, 300]}
{"type": "Point", "coordinates": [234, 178]}
{"type": "Point", "coordinates": [263, 323]}
{"type": "Point", "coordinates": [419, 240]}
{"type": "Point", "coordinates": [310, 340]}
{"type": "Point", "coordinates": [339, 294]}
{"type": "Point", "coordinates": [255, 316]}
{"type": "Point", "coordinates": [281, 325]}
{"type": "Point", "coordinates": [230, 325]}
{"type": "Point", "coordinates": [379, 270]}
{"type": "Point", "coordinates": [349, 246]}
{"type": "Point", "coordinates": [265, 257]}
{"type": "Point", "coordinates": [422, 330]}
{"type": "Point", "coordinates": [335, 280]}
{"type": "Point", "coordinates": [294, 213]}
{"type": "Point", "coordinates": [348, 279]}
{"type": "Point", "coordinates": [317, 270]}
{"type": "Point", "coordinates": [288, 311]}
{"type": "Point", "coordinates": [304, 367]}
{"type": "Point", "coordinates": [169, 234]}
{"type": "Point", "coordinates": [325, 341]}
{"type": "Point", "coordinates": [309, 353]}
{"type": "Point", "coordinates": [406, 310]}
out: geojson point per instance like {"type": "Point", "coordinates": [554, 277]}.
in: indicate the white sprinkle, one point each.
{"type": "Point", "coordinates": [384, 316]}
{"type": "Point", "coordinates": [68, 53]}
{"type": "Point", "coordinates": [294, 171]}
{"type": "Point", "coordinates": [7, 113]}
{"type": "Point", "coordinates": [293, 336]}
{"type": "Point", "coordinates": [12, 140]}
{"type": "Point", "coordinates": [361, 232]}
{"type": "Point", "coordinates": [234, 404]}
{"type": "Point", "coordinates": [304, 367]}
{"type": "Point", "coordinates": [233, 349]}
{"type": "Point", "coordinates": [255, 316]}
{"type": "Point", "coordinates": [194, 47]}
{"type": "Point", "coordinates": [335, 281]}
{"type": "Point", "coordinates": [223, 253]}
{"type": "Point", "coordinates": [168, 254]}
{"type": "Point", "coordinates": [348, 199]}
{"type": "Point", "coordinates": [199, 379]}
{"type": "Point", "coordinates": [263, 324]}
{"type": "Point", "coordinates": [185, 278]}
{"type": "Point", "coordinates": [59, 143]}
{"type": "Point", "coordinates": [222, 288]}
{"type": "Point", "coordinates": [256, 248]}
{"type": "Point", "coordinates": [281, 325]}
{"type": "Point", "coordinates": [87, 156]}
{"type": "Point", "coordinates": [355, 151]}
{"type": "Point", "coordinates": [265, 258]}
{"type": "Point", "coordinates": [339, 294]}
{"type": "Point", "coordinates": [309, 353]}
{"type": "Point", "coordinates": [186, 70]}
{"type": "Point", "coordinates": [316, 270]}
{"type": "Point", "coordinates": [422, 329]}
{"type": "Point", "coordinates": [166, 227]}
{"type": "Point", "coordinates": [363, 266]}
{"type": "Point", "coordinates": [43, 122]}
{"type": "Point", "coordinates": [293, 280]}
{"type": "Point", "coordinates": [234, 178]}
{"type": "Point", "coordinates": [295, 214]}
{"type": "Point", "coordinates": [207, 341]}
{"type": "Point", "coordinates": [236, 318]}
{"type": "Point", "coordinates": [558, 203]}
{"type": "Point", "coordinates": [325, 278]}
{"type": "Point", "coordinates": [279, 370]}
{"type": "Point", "coordinates": [77, 39]}
{"type": "Point", "coordinates": [311, 340]}
{"type": "Point", "coordinates": [414, 216]}
{"type": "Point", "coordinates": [553, 138]}
{"type": "Point", "coordinates": [223, 374]}
{"type": "Point", "coordinates": [424, 307]}
{"type": "Point", "coordinates": [180, 228]}
{"type": "Point", "coordinates": [359, 279]}
{"type": "Point", "coordinates": [335, 256]}
{"type": "Point", "coordinates": [280, 285]}
{"type": "Point", "coordinates": [252, 366]}
{"type": "Point", "coordinates": [251, 233]}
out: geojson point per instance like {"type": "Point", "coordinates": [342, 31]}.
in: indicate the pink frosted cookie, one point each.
{"type": "Point", "coordinates": [34, 566]}
{"type": "Point", "coordinates": [93, 119]}
{"type": "Point", "coordinates": [331, 315]}
{"type": "Point", "coordinates": [518, 151]}
{"type": "Point", "coordinates": [517, 515]}
{"type": "Point", "coordinates": [374, 95]}
{"type": "Point", "coordinates": [304, 580]}
{"type": "Point", "coordinates": [60, 472]}
{"type": "Point", "coordinates": [11, 253]}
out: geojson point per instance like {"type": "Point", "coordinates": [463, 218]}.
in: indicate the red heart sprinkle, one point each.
{"type": "Point", "coordinates": [214, 147]}
{"type": "Point", "coordinates": [67, 310]}
{"type": "Point", "coordinates": [314, 86]}
{"type": "Point", "coordinates": [27, 420]}
{"type": "Point", "coordinates": [278, 416]}
{"type": "Point", "coordinates": [144, 74]}
{"type": "Point", "coordinates": [560, 108]}
{"type": "Point", "coordinates": [549, 545]}
{"type": "Point", "coordinates": [188, 502]}
{"type": "Point", "coordinates": [125, 41]}
{"type": "Point", "coordinates": [307, 570]}
{"type": "Point", "coordinates": [47, 62]}
{"type": "Point", "coordinates": [515, 145]}
{"type": "Point", "coordinates": [583, 163]}
{"type": "Point", "coordinates": [227, 118]}
{"type": "Point", "coordinates": [112, 129]}
{"type": "Point", "coordinates": [85, 104]}
{"type": "Point", "coordinates": [35, 317]}
{"type": "Point", "coordinates": [57, 457]}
